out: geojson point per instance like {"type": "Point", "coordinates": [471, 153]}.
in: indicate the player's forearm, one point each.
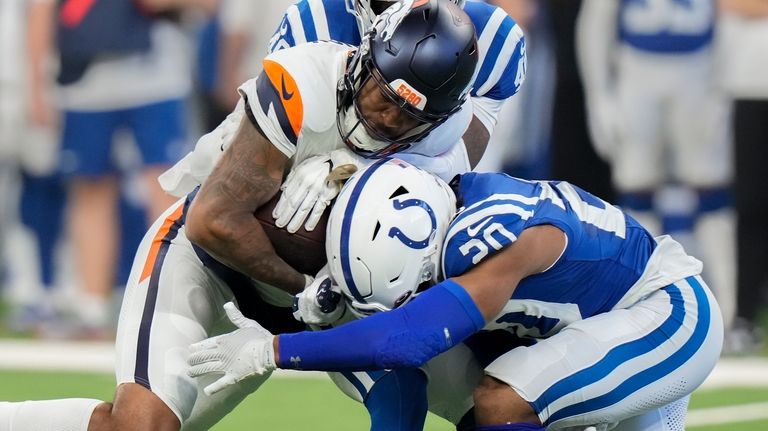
{"type": "Point", "coordinates": [39, 43]}
{"type": "Point", "coordinates": [747, 8]}
{"type": "Point", "coordinates": [231, 53]}
{"type": "Point", "coordinates": [207, 6]}
{"type": "Point", "coordinates": [221, 220]}
{"type": "Point", "coordinates": [406, 337]}
{"type": "Point", "coordinates": [248, 250]}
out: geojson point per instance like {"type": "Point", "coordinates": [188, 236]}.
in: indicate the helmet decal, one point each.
{"type": "Point", "coordinates": [395, 232]}
{"type": "Point", "coordinates": [408, 93]}
{"type": "Point", "coordinates": [390, 19]}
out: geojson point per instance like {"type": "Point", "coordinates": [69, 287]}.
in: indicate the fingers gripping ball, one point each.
{"type": "Point", "coordinates": [303, 250]}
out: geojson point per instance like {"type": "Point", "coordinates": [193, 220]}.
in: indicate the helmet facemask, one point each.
{"type": "Point", "coordinates": [356, 131]}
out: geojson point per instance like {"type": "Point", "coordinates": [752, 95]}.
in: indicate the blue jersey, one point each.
{"type": "Point", "coordinates": [501, 62]}
{"type": "Point", "coordinates": [606, 253]}
{"type": "Point", "coordinates": [667, 26]}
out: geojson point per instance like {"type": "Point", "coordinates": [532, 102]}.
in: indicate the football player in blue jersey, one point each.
{"type": "Point", "coordinates": [499, 75]}
{"type": "Point", "coordinates": [657, 115]}
{"type": "Point", "coordinates": [623, 327]}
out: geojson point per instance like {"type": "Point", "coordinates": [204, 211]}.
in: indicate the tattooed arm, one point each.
{"type": "Point", "coordinates": [221, 221]}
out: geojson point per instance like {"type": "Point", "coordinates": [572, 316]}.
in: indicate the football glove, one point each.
{"type": "Point", "coordinates": [245, 352]}
{"type": "Point", "coordinates": [311, 186]}
{"type": "Point", "coordinates": [320, 303]}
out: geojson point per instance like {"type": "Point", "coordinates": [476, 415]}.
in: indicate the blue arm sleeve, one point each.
{"type": "Point", "coordinates": [405, 337]}
{"type": "Point", "coordinates": [398, 401]}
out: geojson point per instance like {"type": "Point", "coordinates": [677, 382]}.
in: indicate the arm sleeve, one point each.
{"type": "Point", "coordinates": [504, 61]}
{"type": "Point", "coordinates": [406, 337]}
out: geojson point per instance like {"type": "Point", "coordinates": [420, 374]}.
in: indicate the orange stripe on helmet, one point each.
{"type": "Point", "coordinates": [418, 3]}
{"type": "Point", "coordinates": [286, 87]}
{"type": "Point", "coordinates": [157, 241]}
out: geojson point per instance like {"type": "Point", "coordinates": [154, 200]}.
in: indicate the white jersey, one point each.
{"type": "Point", "coordinates": [293, 101]}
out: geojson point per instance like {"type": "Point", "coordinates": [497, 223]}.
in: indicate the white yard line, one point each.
{"type": "Point", "coordinates": [738, 372]}
{"type": "Point", "coordinates": [726, 415]}
{"type": "Point", "coordinates": [95, 357]}
{"type": "Point", "coordinates": [100, 357]}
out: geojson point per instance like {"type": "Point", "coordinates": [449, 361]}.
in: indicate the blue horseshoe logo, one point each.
{"type": "Point", "coordinates": [397, 233]}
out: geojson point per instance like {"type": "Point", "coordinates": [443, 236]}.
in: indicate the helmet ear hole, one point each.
{"type": "Point", "coordinates": [402, 299]}
{"type": "Point", "coordinates": [399, 192]}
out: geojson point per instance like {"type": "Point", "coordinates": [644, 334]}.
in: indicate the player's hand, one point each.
{"type": "Point", "coordinates": [320, 303]}
{"type": "Point", "coordinates": [310, 187]}
{"type": "Point", "coordinates": [245, 352]}
{"type": "Point", "coordinates": [605, 123]}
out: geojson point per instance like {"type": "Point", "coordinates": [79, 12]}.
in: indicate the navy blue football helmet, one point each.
{"type": "Point", "coordinates": [422, 55]}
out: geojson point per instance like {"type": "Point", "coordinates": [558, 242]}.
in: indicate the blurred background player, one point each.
{"type": "Point", "coordinates": [744, 59]}
{"type": "Point", "coordinates": [232, 45]}
{"type": "Point", "coordinates": [123, 77]}
{"type": "Point", "coordinates": [657, 115]}
{"type": "Point", "coordinates": [31, 217]}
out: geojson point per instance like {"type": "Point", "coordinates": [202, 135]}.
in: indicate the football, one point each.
{"type": "Point", "coordinates": [303, 250]}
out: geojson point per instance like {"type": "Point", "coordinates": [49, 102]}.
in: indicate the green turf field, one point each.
{"type": "Point", "coordinates": [308, 404]}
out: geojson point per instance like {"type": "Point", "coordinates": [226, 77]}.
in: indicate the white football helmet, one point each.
{"type": "Point", "coordinates": [385, 234]}
{"type": "Point", "coordinates": [365, 11]}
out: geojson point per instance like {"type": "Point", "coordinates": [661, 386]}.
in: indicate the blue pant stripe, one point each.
{"type": "Point", "coordinates": [654, 373]}
{"type": "Point", "coordinates": [618, 355]}
{"type": "Point", "coordinates": [356, 383]}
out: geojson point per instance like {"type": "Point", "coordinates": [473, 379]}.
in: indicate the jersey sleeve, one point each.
{"type": "Point", "coordinates": [501, 42]}
{"type": "Point", "coordinates": [313, 20]}
{"type": "Point", "coordinates": [274, 102]}
{"type": "Point", "coordinates": [486, 226]}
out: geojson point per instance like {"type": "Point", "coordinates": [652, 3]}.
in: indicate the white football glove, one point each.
{"type": "Point", "coordinates": [320, 303]}
{"type": "Point", "coordinates": [245, 352]}
{"type": "Point", "coordinates": [605, 124]}
{"type": "Point", "coordinates": [311, 186]}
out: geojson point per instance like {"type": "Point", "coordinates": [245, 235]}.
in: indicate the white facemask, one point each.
{"type": "Point", "coordinates": [359, 136]}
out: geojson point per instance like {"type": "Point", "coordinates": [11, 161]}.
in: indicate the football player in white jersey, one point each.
{"type": "Point", "coordinates": [657, 115]}
{"type": "Point", "coordinates": [501, 71]}
{"type": "Point", "coordinates": [208, 248]}
{"type": "Point", "coordinates": [624, 327]}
